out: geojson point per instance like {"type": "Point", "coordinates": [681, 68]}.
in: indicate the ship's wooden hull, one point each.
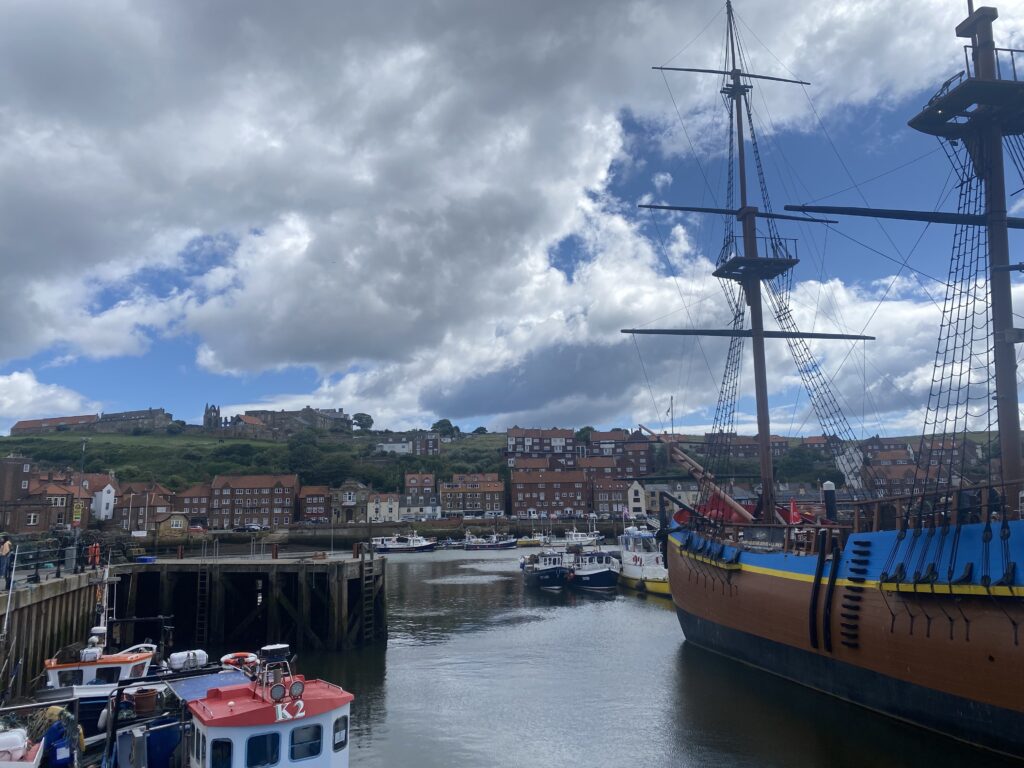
{"type": "Point", "coordinates": [950, 663]}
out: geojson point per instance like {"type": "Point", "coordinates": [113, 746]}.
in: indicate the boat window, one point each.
{"type": "Point", "coordinates": [306, 741]}
{"type": "Point", "coordinates": [220, 753]}
{"type": "Point", "coordinates": [69, 677]}
{"type": "Point", "coordinates": [202, 757]}
{"type": "Point", "coordinates": [262, 750]}
{"type": "Point", "coordinates": [341, 733]}
{"type": "Point", "coordinates": [108, 674]}
{"type": "Point", "coordinates": [138, 670]}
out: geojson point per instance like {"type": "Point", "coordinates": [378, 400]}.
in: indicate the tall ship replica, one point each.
{"type": "Point", "coordinates": [911, 605]}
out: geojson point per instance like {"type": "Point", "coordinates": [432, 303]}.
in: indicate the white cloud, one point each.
{"type": "Point", "coordinates": [396, 175]}
{"type": "Point", "coordinates": [23, 396]}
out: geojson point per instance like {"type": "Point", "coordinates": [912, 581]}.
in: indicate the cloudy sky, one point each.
{"type": "Point", "coordinates": [428, 210]}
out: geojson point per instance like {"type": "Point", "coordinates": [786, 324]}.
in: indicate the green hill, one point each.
{"type": "Point", "coordinates": [181, 460]}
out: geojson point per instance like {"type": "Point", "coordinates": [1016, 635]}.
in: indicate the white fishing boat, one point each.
{"type": "Point", "coordinates": [643, 567]}
{"type": "Point", "coordinates": [412, 542]}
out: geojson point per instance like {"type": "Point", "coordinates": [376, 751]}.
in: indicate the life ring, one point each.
{"type": "Point", "coordinates": [239, 659]}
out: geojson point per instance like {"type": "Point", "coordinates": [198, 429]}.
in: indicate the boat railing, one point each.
{"type": "Point", "coordinates": [1006, 65]}
{"type": "Point", "coordinates": [767, 247]}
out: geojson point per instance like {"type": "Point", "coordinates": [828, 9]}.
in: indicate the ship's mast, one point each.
{"type": "Point", "coordinates": [749, 268]}
{"type": "Point", "coordinates": [751, 283]}
{"type": "Point", "coordinates": [980, 110]}
{"type": "Point", "coordinates": [988, 159]}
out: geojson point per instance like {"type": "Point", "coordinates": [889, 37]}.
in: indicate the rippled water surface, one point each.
{"type": "Point", "coordinates": [479, 672]}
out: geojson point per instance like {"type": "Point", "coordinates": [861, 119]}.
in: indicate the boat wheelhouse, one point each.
{"type": "Point", "coordinates": [254, 716]}
{"type": "Point", "coordinates": [279, 719]}
{"type": "Point", "coordinates": [593, 571]}
{"type": "Point", "coordinates": [545, 570]}
{"type": "Point", "coordinates": [583, 537]}
{"type": "Point", "coordinates": [643, 566]}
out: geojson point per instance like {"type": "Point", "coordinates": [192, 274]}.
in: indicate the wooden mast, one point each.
{"type": "Point", "coordinates": [980, 110]}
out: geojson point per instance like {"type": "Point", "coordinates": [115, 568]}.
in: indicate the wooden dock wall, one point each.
{"type": "Point", "coordinates": [43, 618]}
{"type": "Point", "coordinates": [231, 604]}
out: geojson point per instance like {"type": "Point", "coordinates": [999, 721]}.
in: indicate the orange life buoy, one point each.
{"type": "Point", "coordinates": [238, 659]}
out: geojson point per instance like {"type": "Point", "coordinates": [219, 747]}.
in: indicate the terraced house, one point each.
{"type": "Point", "coordinates": [265, 500]}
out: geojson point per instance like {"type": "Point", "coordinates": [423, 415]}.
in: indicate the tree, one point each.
{"type": "Point", "coordinates": [444, 427]}
{"type": "Point", "coordinates": [583, 434]}
{"type": "Point", "coordinates": [480, 431]}
{"type": "Point", "coordinates": [362, 420]}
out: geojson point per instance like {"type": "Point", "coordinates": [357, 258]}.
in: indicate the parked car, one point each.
{"type": "Point", "coordinates": [196, 529]}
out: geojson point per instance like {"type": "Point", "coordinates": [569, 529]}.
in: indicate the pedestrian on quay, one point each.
{"type": "Point", "coordinates": [6, 559]}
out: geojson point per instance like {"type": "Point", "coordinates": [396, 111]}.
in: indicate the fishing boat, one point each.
{"type": "Point", "coordinates": [592, 570]}
{"type": "Point", "coordinates": [533, 540]}
{"type": "Point", "coordinates": [643, 566]}
{"type": "Point", "coordinates": [545, 570]}
{"type": "Point", "coordinates": [490, 541]}
{"type": "Point", "coordinates": [413, 542]}
{"type": "Point", "coordinates": [263, 714]}
{"type": "Point", "coordinates": [581, 538]}
{"type": "Point", "coordinates": [87, 673]}
{"type": "Point", "coordinates": [907, 605]}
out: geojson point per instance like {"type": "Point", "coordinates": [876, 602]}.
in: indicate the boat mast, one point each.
{"type": "Point", "coordinates": [748, 268]}
{"type": "Point", "coordinates": [980, 109]}
{"type": "Point", "coordinates": [988, 159]}
{"type": "Point", "coordinates": [751, 283]}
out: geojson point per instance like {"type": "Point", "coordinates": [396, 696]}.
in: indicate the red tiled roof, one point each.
{"type": "Point", "coordinates": [616, 434]}
{"type": "Point", "coordinates": [529, 463]}
{"type": "Point", "coordinates": [56, 421]}
{"type": "Point", "coordinates": [196, 490]}
{"type": "Point", "coordinates": [596, 462]}
{"type": "Point", "coordinates": [314, 490]}
{"type": "Point", "coordinates": [252, 421]}
{"type": "Point", "coordinates": [255, 481]}
{"type": "Point", "coordinates": [541, 433]}
{"type": "Point", "coordinates": [547, 476]}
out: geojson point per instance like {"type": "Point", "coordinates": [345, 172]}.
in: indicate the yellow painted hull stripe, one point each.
{"type": "Point", "coordinates": [920, 589]}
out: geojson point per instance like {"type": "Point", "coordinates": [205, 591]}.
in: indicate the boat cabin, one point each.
{"type": "Point", "coordinates": [91, 666]}
{"type": "Point", "coordinates": [277, 719]}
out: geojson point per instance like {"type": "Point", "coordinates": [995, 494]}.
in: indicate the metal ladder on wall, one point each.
{"type": "Point", "coordinates": [367, 570]}
{"type": "Point", "coordinates": [203, 597]}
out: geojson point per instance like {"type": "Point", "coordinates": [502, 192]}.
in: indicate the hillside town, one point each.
{"type": "Point", "coordinates": [545, 474]}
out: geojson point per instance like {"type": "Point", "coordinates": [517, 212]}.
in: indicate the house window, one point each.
{"type": "Point", "coordinates": [25, 467]}
{"type": "Point", "coordinates": [177, 523]}
{"type": "Point", "coordinates": [305, 742]}
{"type": "Point", "coordinates": [32, 518]}
{"type": "Point", "coordinates": [24, 485]}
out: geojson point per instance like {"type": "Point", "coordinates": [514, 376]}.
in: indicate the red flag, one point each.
{"type": "Point", "coordinates": [794, 516]}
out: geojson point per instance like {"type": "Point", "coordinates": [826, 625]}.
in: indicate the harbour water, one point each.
{"type": "Point", "coordinates": [479, 672]}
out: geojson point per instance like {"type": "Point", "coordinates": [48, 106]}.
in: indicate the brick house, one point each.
{"type": "Point", "coordinates": [238, 500]}
{"type": "Point", "coordinates": [315, 504]}
{"type": "Point", "coordinates": [609, 497]}
{"type": "Point", "coordinates": [420, 499]}
{"type": "Point", "coordinates": [140, 505]}
{"type": "Point", "coordinates": [541, 493]}
{"type": "Point", "coordinates": [558, 445]}
{"type": "Point", "coordinates": [194, 503]}
{"type": "Point", "coordinates": [473, 494]}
